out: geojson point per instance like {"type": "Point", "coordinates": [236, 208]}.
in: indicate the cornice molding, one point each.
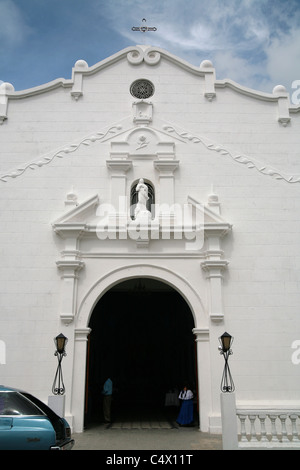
{"type": "Point", "coordinates": [137, 55]}
{"type": "Point", "coordinates": [202, 334]}
{"type": "Point", "coordinates": [69, 268]}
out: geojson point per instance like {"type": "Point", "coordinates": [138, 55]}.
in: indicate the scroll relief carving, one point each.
{"type": "Point", "coordinates": [249, 162]}
{"type": "Point", "coordinates": [142, 143]}
{"type": "Point", "coordinates": [151, 56]}
{"type": "Point", "coordinates": [63, 152]}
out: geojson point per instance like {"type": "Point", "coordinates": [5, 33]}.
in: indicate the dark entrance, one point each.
{"type": "Point", "coordinates": [142, 339]}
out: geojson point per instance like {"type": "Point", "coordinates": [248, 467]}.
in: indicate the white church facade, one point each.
{"type": "Point", "coordinates": [146, 208]}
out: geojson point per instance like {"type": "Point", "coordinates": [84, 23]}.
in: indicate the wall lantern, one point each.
{"type": "Point", "coordinates": [60, 342]}
{"type": "Point", "coordinates": [226, 341]}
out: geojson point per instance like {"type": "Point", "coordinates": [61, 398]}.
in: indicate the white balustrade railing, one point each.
{"type": "Point", "coordinates": [269, 428]}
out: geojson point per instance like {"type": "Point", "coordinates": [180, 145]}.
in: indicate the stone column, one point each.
{"type": "Point", "coordinates": [79, 372]}
{"type": "Point", "coordinates": [204, 377]}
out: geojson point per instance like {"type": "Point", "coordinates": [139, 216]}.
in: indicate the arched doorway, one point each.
{"type": "Point", "coordinates": [141, 336]}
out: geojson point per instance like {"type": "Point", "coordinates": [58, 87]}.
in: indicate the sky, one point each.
{"type": "Point", "coordinates": [256, 43]}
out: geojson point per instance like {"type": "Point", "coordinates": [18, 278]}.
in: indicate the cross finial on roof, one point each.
{"type": "Point", "coordinates": [143, 28]}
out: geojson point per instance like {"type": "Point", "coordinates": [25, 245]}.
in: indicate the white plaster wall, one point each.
{"type": "Point", "coordinates": [261, 286]}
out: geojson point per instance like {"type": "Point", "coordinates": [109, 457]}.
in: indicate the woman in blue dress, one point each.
{"type": "Point", "coordinates": [186, 413]}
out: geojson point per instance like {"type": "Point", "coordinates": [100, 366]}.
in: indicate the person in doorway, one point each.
{"type": "Point", "coordinates": [107, 398]}
{"type": "Point", "coordinates": [186, 413]}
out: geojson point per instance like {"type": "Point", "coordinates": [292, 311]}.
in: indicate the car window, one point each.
{"type": "Point", "coordinates": [13, 403]}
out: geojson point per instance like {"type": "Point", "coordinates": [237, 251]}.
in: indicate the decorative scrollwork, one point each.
{"type": "Point", "coordinates": [151, 56]}
{"type": "Point", "coordinates": [45, 160]}
{"type": "Point", "coordinates": [243, 159]}
{"type": "Point", "coordinates": [136, 56]}
{"type": "Point", "coordinates": [58, 387]}
{"type": "Point", "coordinates": [227, 384]}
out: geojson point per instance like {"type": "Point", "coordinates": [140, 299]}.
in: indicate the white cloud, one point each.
{"type": "Point", "coordinates": [13, 27]}
{"type": "Point", "coordinates": [283, 59]}
{"type": "Point", "coordinates": [254, 42]}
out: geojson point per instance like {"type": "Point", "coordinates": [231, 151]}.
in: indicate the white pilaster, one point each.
{"type": "Point", "coordinates": [214, 269]}
{"type": "Point", "coordinates": [118, 201]}
{"type": "Point", "coordinates": [215, 264]}
{"type": "Point", "coordinates": [79, 368]}
{"type": "Point", "coordinates": [5, 90]}
{"type": "Point", "coordinates": [204, 377]}
{"type": "Point", "coordinates": [166, 170]}
{"type": "Point", "coordinates": [69, 274]}
{"type": "Point", "coordinates": [283, 104]}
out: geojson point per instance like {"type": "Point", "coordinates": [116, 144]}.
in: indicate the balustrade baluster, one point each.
{"type": "Point", "coordinates": [295, 435]}
{"type": "Point", "coordinates": [284, 437]}
{"type": "Point", "coordinates": [274, 437]}
{"type": "Point", "coordinates": [276, 433]}
{"type": "Point", "coordinates": [262, 419]}
{"type": "Point", "coordinates": [242, 419]}
{"type": "Point", "coordinates": [253, 437]}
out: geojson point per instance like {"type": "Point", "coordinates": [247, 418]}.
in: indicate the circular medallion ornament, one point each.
{"type": "Point", "coordinates": [142, 89]}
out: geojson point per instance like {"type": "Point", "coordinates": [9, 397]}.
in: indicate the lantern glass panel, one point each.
{"type": "Point", "coordinates": [226, 341]}
{"type": "Point", "coordinates": [61, 341]}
